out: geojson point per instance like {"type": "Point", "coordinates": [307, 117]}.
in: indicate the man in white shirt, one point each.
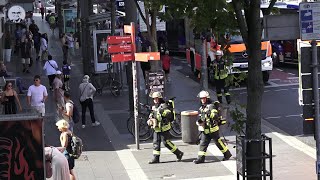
{"type": "Point", "coordinates": [37, 96]}
{"type": "Point", "coordinates": [50, 67]}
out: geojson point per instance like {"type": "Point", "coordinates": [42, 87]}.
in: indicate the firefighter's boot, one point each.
{"type": "Point", "coordinates": [199, 160]}
{"type": "Point", "coordinates": [227, 155]}
{"type": "Point", "coordinates": [220, 99]}
{"type": "Point", "coordinates": [155, 160]}
{"type": "Point", "coordinates": [179, 155]}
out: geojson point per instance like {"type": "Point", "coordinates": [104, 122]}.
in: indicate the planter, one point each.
{"type": "Point", "coordinates": [265, 156]}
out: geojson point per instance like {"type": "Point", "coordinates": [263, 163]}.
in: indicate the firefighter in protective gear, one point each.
{"type": "Point", "coordinates": [162, 117]}
{"type": "Point", "coordinates": [220, 76]}
{"type": "Point", "coordinates": [209, 121]}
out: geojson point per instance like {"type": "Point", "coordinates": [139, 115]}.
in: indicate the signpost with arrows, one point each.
{"type": "Point", "coordinates": [123, 48]}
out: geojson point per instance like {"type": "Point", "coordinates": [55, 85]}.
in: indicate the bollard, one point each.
{"type": "Point", "coordinates": [188, 126]}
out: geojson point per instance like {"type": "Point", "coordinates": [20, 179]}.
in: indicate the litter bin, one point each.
{"type": "Point", "coordinates": [189, 127]}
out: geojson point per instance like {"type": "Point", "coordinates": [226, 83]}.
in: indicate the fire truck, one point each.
{"type": "Point", "coordinates": [237, 49]}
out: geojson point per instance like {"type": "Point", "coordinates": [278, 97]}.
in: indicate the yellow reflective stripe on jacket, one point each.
{"type": "Point", "coordinates": [156, 152]}
{"type": "Point", "coordinates": [227, 94]}
{"type": "Point", "coordinates": [164, 128]}
{"type": "Point", "coordinates": [223, 122]}
{"type": "Point", "coordinates": [219, 95]}
{"type": "Point", "coordinates": [165, 112]}
{"type": "Point", "coordinates": [211, 130]}
{"type": "Point", "coordinates": [213, 113]}
{"type": "Point", "coordinates": [224, 147]}
{"type": "Point", "coordinates": [201, 153]}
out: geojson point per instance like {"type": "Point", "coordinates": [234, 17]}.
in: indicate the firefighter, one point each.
{"type": "Point", "coordinates": [160, 119]}
{"type": "Point", "coordinates": [220, 76]}
{"type": "Point", "coordinates": [209, 123]}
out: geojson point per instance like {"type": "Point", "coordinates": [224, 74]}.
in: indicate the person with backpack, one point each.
{"type": "Point", "coordinates": [50, 67]}
{"type": "Point", "coordinates": [160, 119]}
{"type": "Point", "coordinates": [66, 70]}
{"type": "Point", "coordinates": [52, 22]}
{"type": "Point", "coordinates": [66, 138]}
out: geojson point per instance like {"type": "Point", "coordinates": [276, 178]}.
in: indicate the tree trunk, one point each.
{"type": "Point", "coordinates": [255, 88]}
{"type": "Point", "coordinates": [155, 65]}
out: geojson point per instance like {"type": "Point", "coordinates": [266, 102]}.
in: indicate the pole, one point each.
{"type": "Point", "coordinates": [316, 100]}
{"type": "Point", "coordinates": [204, 67]}
{"type": "Point", "coordinates": [135, 86]}
{"type": "Point", "coordinates": [85, 35]}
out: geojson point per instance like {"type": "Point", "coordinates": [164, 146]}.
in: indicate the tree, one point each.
{"type": "Point", "coordinates": [250, 25]}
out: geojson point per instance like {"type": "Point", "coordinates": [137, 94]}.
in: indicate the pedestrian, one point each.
{"type": "Point", "coordinates": [65, 47]}
{"type": "Point", "coordinates": [71, 42]}
{"type": "Point", "coordinates": [67, 111]}
{"type": "Point", "coordinates": [9, 98]}
{"type": "Point", "coordinates": [166, 61]}
{"type": "Point", "coordinates": [41, 8]}
{"type": "Point", "coordinates": [50, 67]}
{"type": "Point", "coordinates": [37, 95]}
{"type": "Point", "coordinates": [18, 35]}
{"type": "Point", "coordinates": [66, 71]}
{"type": "Point", "coordinates": [7, 47]}
{"type": "Point", "coordinates": [145, 66]}
{"type": "Point", "coordinates": [65, 140]}
{"type": "Point", "coordinates": [57, 162]}
{"type": "Point", "coordinates": [160, 118]}
{"type": "Point", "coordinates": [33, 27]}
{"type": "Point", "coordinates": [43, 48]}
{"type": "Point", "coordinates": [37, 43]}
{"type": "Point", "coordinates": [209, 125]}
{"type": "Point", "coordinates": [220, 77]}
{"type": "Point", "coordinates": [87, 91]}
{"type": "Point", "coordinates": [52, 22]}
{"type": "Point", "coordinates": [26, 55]}
{"type": "Point", "coordinates": [58, 92]}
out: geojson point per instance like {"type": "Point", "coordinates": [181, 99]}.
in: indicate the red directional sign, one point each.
{"type": "Point", "coordinates": [119, 39]}
{"type": "Point", "coordinates": [145, 56]}
{"type": "Point", "coordinates": [119, 48]}
{"type": "Point", "coordinates": [121, 57]}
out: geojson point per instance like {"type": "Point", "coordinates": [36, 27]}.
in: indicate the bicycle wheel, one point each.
{"type": "Point", "coordinates": [115, 87]}
{"type": "Point", "coordinates": [130, 123]}
{"type": "Point", "coordinates": [145, 131]}
{"type": "Point", "coordinates": [176, 127]}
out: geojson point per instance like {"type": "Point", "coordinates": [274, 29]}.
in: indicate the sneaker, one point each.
{"type": "Point", "coordinates": [83, 126]}
{"type": "Point", "coordinates": [96, 123]}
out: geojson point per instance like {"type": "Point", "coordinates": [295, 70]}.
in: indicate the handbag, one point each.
{"type": "Point", "coordinates": [81, 100]}
{"type": "Point", "coordinates": [49, 165]}
{"type": "Point", "coordinates": [77, 45]}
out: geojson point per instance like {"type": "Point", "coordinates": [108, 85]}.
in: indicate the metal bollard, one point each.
{"type": "Point", "coordinates": [188, 126]}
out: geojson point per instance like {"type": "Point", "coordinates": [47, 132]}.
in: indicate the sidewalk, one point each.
{"type": "Point", "coordinates": [109, 151]}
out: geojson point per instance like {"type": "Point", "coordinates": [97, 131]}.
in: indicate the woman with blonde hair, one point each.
{"type": "Point", "coordinates": [65, 140]}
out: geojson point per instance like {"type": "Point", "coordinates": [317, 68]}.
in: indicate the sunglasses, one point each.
{"type": "Point", "coordinates": [37, 80]}
{"type": "Point", "coordinates": [9, 85]}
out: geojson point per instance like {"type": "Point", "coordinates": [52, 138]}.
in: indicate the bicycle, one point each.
{"type": "Point", "coordinates": [145, 131]}
{"type": "Point", "coordinates": [114, 85]}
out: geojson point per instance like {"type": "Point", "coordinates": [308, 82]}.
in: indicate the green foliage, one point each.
{"type": "Point", "coordinates": [239, 121]}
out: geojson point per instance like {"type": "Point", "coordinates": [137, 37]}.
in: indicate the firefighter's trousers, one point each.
{"type": "Point", "coordinates": [164, 136]}
{"type": "Point", "coordinates": [221, 84]}
{"type": "Point", "coordinates": [205, 141]}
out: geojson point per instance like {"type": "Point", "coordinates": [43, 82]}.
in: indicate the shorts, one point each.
{"type": "Point", "coordinates": [40, 109]}
{"type": "Point", "coordinates": [25, 60]}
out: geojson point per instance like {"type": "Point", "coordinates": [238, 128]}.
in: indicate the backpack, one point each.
{"type": "Point", "coordinates": [170, 106]}
{"type": "Point", "coordinates": [52, 19]}
{"type": "Point", "coordinates": [66, 69]}
{"type": "Point", "coordinates": [76, 146]}
{"type": "Point", "coordinates": [75, 114]}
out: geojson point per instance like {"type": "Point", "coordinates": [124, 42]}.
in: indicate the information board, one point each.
{"type": "Point", "coordinates": [309, 20]}
{"type": "Point", "coordinates": [156, 82]}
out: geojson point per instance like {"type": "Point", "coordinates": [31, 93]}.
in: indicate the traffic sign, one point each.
{"type": "Point", "coordinates": [309, 20]}
{"type": "Point", "coordinates": [119, 48]}
{"type": "Point", "coordinates": [119, 39]}
{"type": "Point", "coordinates": [145, 56]}
{"type": "Point", "coordinates": [121, 57]}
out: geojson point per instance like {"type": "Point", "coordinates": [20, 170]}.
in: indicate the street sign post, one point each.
{"type": "Point", "coordinates": [310, 30]}
{"type": "Point", "coordinates": [123, 44]}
